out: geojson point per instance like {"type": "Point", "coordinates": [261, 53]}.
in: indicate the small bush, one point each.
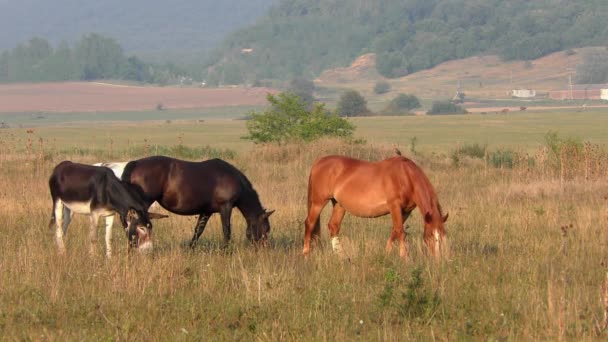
{"type": "Point", "coordinates": [445, 108]}
{"type": "Point", "coordinates": [403, 103]}
{"type": "Point", "coordinates": [289, 119]}
{"type": "Point", "coordinates": [382, 87]}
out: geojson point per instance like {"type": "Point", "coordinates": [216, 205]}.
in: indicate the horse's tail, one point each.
{"type": "Point", "coordinates": [317, 227]}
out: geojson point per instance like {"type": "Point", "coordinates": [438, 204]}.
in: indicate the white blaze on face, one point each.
{"type": "Point", "coordinates": [437, 241]}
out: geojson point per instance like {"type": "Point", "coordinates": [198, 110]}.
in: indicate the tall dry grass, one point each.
{"type": "Point", "coordinates": [527, 259]}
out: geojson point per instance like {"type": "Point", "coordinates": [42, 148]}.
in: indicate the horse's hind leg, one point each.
{"type": "Point", "coordinates": [225, 213]}
{"type": "Point", "coordinates": [311, 223]}
{"type": "Point", "coordinates": [200, 227]}
{"type": "Point", "coordinates": [334, 226]}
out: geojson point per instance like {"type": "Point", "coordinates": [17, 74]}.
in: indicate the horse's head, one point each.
{"type": "Point", "coordinates": [434, 231]}
{"type": "Point", "coordinates": [139, 229]}
{"type": "Point", "coordinates": [259, 228]}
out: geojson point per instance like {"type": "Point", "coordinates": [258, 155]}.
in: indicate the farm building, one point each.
{"type": "Point", "coordinates": [580, 92]}
{"type": "Point", "coordinates": [523, 93]}
{"type": "Point", "coordinates": [604, 94]}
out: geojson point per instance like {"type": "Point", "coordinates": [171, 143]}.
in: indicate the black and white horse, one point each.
{"type": "Point", "coordinates": [200, 188]}
{"type": "Point", "coordinates": [97, 192]}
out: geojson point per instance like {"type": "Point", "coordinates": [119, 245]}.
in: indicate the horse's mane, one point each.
{"type": "Point", "coordinates": [427, 197]}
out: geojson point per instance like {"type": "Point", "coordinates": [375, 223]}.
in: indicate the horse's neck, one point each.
{"type": "Point", "coordinates": [250, 207]}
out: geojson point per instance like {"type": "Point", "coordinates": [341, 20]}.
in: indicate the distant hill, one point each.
{"type": "Point", "coordinates": [479, 76]}
{"type": "Point", "coordinates": [305, 37]}
{"type": "Point", "coordinates": [154, 29]}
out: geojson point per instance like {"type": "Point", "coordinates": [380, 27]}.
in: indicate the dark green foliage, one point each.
{"type": "Point", "coordinates": [445, 108]}
{"type": "Point", "coordinates": [417, 300]}
{"type": "Point", "coordinates": [303, 88]}
{"type": "Point", "coordinates": [472, 150]}
{"type": "Point", "coordinates": [502, 159]}
{"type": "Point", "coordinates": [304, 37]}
{"type": "Point", "coordinates": [403, 103]}
{"type": "Point", "coordinates": [289, 119]}
{"type": "Point", "coordinates": [93, 57]}
{"type": "Point", "coordinates": [351, 103]}
{"type": "Point", "coordinates": [593, 68]}
{"type": "Point", "coordinates": [382, 87]}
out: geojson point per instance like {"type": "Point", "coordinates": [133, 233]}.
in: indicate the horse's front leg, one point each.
{"type": "Point", "coordinates": [225, 213]}
{"type": "Point", "coordinates": [109, 223]}
{"type": "Point", "coordinates": [398, 217]}
{"type": "Point", "coordinates": [199, 228]}
{"type": "Point", "coordinates": [93, 233]}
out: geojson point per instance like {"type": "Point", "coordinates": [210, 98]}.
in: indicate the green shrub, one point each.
{"type": "Point", "coordinates": [288, 119]}
{"type": "Point", "coordinates": [501, 159]}
{"type": "Point", "coordinates": [445, 108]}
{"type": "Point", "coordinates": [472, 150]}
{"type": "Point", "coordinates": [403, 103]}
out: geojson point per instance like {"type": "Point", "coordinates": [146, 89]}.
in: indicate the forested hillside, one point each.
{"type": "Point", "coordinates": [180, 30]}
{"type": "Point", "coordinates": [305, 37]}
{"type": "Point", "coordinates": [92, 57]}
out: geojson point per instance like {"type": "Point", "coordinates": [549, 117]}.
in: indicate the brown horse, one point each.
{"type": "Point", "coordinates": [372, 189]}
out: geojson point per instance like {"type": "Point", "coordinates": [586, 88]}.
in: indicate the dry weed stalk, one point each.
{"type": "Point", "coordinates": [605, 301]}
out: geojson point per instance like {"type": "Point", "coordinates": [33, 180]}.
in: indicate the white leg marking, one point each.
{"type": "Point", "coordinates": [335, 245]}
{"type": "Point", "coordinates": [58, 211]}
{"type": "Point", "coordinates": [109, 223]}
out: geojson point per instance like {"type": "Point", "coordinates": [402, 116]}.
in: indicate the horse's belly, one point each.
{"type": "Point", "coordinates": [363, 207]}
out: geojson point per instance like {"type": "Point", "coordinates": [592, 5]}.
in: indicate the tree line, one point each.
{"type": "Point", "coordinates": [92, 57]}
{"type": "Point", "coordinates": [301, 38]}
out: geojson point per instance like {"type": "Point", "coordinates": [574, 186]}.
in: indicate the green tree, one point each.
{"type": "Point", "coordinates": [382, 87]}
{"type": "Point", "coordinates": [99, 57]}
{"type": "Point", "coordinates": [351, 103]}
{"type": "Point", "coordinates": [403, 103]}
{"type": "Point", "coordinates": [288, 119]}
{"type": "Point", "coordinates": [303, 88]}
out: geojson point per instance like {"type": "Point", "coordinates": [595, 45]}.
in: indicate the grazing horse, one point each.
{"type": "Point", "coordinates": [200, 188]}
{"type": "Point", "coordinates": [97, 192]}
{"type": "Point", "coordinates": [371, 189]}
{"type": "Point", "coordinates": [118, 168]}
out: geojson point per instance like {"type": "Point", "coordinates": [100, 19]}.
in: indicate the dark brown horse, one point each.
{"type": "Point", "coordinates": [200, 188]}
{"type": "Point", "coordinates": [372, 189]}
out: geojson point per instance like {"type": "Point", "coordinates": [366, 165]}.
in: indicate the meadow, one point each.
{"type": "Point", "coordinates": [527, 195]}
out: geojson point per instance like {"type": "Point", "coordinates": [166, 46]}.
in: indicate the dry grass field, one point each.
{"type": "Point", "coordinates": [528, 234]}
{"type": "Point", "coordinates": [107, 97]}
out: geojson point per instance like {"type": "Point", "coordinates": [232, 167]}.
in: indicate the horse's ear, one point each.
{"type": "Point", "coordinates": [428, 218]}
{"type": "Point", "coordinates": [156, 216]}
{"type": "Point", "coordinates": [267, 213]}
{"type": "Point", "coordinates": [445, 218]}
